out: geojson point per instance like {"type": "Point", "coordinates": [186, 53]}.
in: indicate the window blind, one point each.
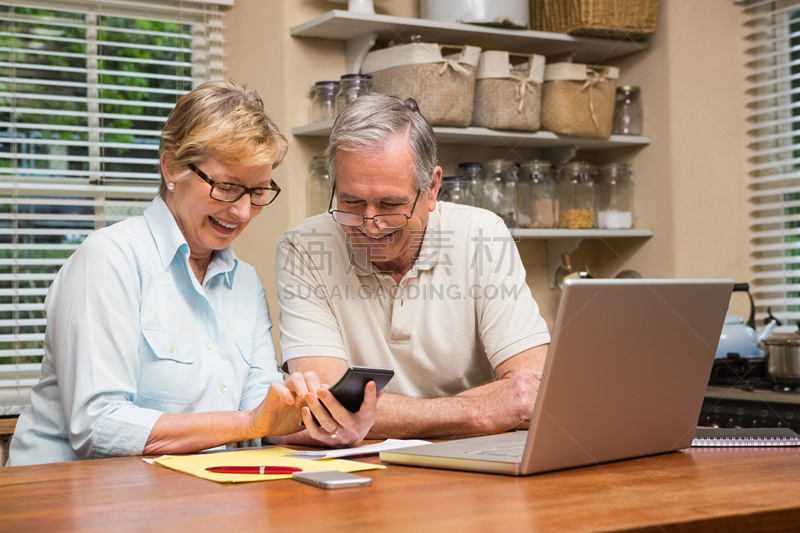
{"type": "Point", "coordinates": [85, 87]}
{"type": "Point", "coordinates": [773, 87]}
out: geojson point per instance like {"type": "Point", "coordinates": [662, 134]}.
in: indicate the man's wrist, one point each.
{"type": "Point", "coordinates": [477, 409]}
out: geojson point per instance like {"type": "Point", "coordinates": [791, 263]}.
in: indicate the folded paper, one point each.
{"type": "Point", "coordinates": [195, 465]}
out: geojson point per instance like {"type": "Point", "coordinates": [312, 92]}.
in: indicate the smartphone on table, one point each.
{"type": "Point", "coordinates": [332, 479]}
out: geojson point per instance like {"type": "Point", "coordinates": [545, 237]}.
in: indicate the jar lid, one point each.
{"type": "Point", "coordinates": [469, 165]}
{"type": "Point", "coordinates": [537, 164]}
{"type": "Point", "coordinates": [628, 89]}
{"type": "Point", "coordinates": [497, 162]}
{"type": "Point", "coordinates": [327, 83]}
{"type": "Point", "coordinates": [319, 162]}
{"type": "Point", "coordinates": [357, 77]}
{"type": "Point", "coordinates": [576, 167]}
{"type": "Point", "coordinates": [465, 179]}
{"type": "Point", "coordinates": [616, 169]}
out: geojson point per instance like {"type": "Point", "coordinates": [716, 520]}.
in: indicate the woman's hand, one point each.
{"type": "Point", "coordinates": [338, 427]}
{"type": "Point", "coordinates": [279, 412]}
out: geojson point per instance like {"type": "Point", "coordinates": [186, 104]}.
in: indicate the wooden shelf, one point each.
{"type": "Point", "coordinates": [360, 32]}
{"type": "Point", "coordinates": [487, 137]}
{"type": "Point", "coordinates": [548, 234]}
{"type": "Point", "coordinates": [565, 241]}
{"type": "Point", "coordinates": [343, 25]}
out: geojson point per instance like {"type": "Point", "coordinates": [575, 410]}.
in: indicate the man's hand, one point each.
{"type": "Point", "coordinates": [338, 427]}
{"type": "Point", "coordinates": [284, 406]}
{"type": "Point", "coordinates": [509, 404]}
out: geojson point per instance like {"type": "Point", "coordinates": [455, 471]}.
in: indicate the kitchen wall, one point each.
{"type": "Point", "coordinates": [689, 183]}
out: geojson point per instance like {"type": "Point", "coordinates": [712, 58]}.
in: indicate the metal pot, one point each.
{"type": "Point", "coordinates": [782, 351]}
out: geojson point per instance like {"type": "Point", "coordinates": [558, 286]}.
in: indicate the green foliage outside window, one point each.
{"type": "Point", "coordinates": [53, 43]}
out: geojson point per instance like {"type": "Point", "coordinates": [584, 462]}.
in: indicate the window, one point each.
{"type": "Point", "coordinates": [774, 116]}
{"type": "Point", "coordinates": [85, 87]}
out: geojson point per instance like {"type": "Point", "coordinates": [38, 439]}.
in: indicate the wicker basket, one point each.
{"type": "Point", "coordinates": [635, 19]}
{"type": "Point", "coordinates": [579, 99]}
{"type": "Point", "coordinates": [508, 97]}
{"type": "Point", "coordinates": [441, 78]}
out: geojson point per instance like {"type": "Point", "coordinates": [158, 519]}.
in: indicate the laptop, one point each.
{"type": "Point", "coordinates": [625, 377]}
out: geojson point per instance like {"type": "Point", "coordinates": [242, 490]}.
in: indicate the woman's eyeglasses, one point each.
{"type": "Point", "coordinates": [231, 192]}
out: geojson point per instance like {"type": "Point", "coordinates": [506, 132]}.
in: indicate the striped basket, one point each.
{"type": "Point", "coordinates": [634, 19]}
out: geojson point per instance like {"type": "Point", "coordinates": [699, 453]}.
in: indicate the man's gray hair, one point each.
{"type": "Point", "coordinates": [368, 124]}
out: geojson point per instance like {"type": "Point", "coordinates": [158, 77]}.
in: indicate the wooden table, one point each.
{"type": "Point", "coordinates": [719, 489]}
{"type": "Point", "coordinates": [7, 426]}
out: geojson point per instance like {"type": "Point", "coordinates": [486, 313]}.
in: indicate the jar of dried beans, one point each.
{"type": "Point", "coordinates": [576, 196]}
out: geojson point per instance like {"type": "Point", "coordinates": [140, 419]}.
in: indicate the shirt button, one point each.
{"type": "Point", "coordinates": [208, 345]}
{"type": "Point", "coordinates": [172, 348]}
{"type": "Point", "coordinates": [223, 388]}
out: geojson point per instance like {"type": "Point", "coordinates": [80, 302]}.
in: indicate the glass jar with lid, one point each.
{"type": "Point", "coordinates": [536, 198]}
{"type": "Point", "coordinates": [576, 196]}
{"type": "Point", "coordinates": [628, 115]}
{"type": "Point", "coordinates": [319, 189]}
{"type": "Point", "coordinates": [457, 189]}
{"type": "Point", "coordinates": [323, 101]}
{"type": "Point", "coordinates": [615, 197]}
{"type": "Point", "coordinates": [499, 189]}
{"type": "Point", "coordinates": [351, 86]}
{"type": "Point", "coordinates": [473, 172]}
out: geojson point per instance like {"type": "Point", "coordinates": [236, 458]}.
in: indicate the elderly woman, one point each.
{"type": "Point", "coordinates": [158, 337]}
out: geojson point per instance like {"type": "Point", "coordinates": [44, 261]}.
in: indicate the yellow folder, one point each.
{"type": "Point", "coordinates": [196, 465]}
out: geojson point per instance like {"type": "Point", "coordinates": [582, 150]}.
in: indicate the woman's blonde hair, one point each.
{"type": "Point", "coordinates": [224, 119]}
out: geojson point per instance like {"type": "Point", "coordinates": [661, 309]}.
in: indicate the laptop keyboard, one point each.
{"type": "Point", "coordinates": [512, 451]}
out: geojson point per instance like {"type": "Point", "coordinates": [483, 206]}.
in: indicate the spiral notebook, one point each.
{"type": "Point", "coordinates": [722, 437]}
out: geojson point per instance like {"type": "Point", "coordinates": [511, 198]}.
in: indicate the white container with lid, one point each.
{"type": "Point", "coordinates": [359, 6]}
{"type": "Point", "coordinates": [500, 12]}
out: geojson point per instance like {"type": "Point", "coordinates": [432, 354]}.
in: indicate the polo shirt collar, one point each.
{"type": "Point", "coordinates": [432, 243]}
{"type": "Point", "coordinates": [169, 241]}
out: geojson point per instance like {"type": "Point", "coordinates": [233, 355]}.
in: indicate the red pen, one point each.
{"type": "Point", "coordinates": [253, 469]}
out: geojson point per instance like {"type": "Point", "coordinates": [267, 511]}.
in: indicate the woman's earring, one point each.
{"type": "Point", "coordinates": [171, 186]}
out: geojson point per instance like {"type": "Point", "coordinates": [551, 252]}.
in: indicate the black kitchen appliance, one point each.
{"type": "Point", "coordinates": [742, 394]}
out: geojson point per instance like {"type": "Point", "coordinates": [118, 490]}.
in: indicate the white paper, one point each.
{"type": "Point", "coordinates": [369, 449]}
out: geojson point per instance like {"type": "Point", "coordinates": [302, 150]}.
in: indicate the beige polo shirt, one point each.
{"type": "Point", "coordinates": [463, 308]}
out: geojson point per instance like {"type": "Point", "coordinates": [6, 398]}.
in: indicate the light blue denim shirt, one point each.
{"type": "Point", "coordinates": [132, 334]}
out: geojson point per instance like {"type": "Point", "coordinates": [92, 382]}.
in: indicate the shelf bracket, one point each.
{"type": "Point", "coordinates": [558, 155]}
{"type": "Point", "coordinates": [356, 49]}
{"type": "Point", "coordinates": [555, 249]}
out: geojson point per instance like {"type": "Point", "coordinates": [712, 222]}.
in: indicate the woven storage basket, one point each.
{"type": "Point", "coordinates": [441, 78]}
{"type": "Point", "coordinates": [579, 99]}
{"type": "Point", "coordinates": [636, 19]}
{"type": "Point", "coordinates": [508, 97]}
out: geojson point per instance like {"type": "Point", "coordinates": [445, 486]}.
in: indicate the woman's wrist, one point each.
{"type": "Point", "coordinates": [250, 426]}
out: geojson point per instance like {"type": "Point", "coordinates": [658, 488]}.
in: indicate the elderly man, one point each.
{"type": "Point", "coordinates": [390, 278]}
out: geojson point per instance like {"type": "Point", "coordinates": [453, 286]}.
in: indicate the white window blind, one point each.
{"type": "Point", "coordinates": [85, 87]}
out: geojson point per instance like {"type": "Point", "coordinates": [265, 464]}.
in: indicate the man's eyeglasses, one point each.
{"type": "Point", "coordinates": [231, 192]}
{"type": "Point", "coordinates": [383, 221]}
